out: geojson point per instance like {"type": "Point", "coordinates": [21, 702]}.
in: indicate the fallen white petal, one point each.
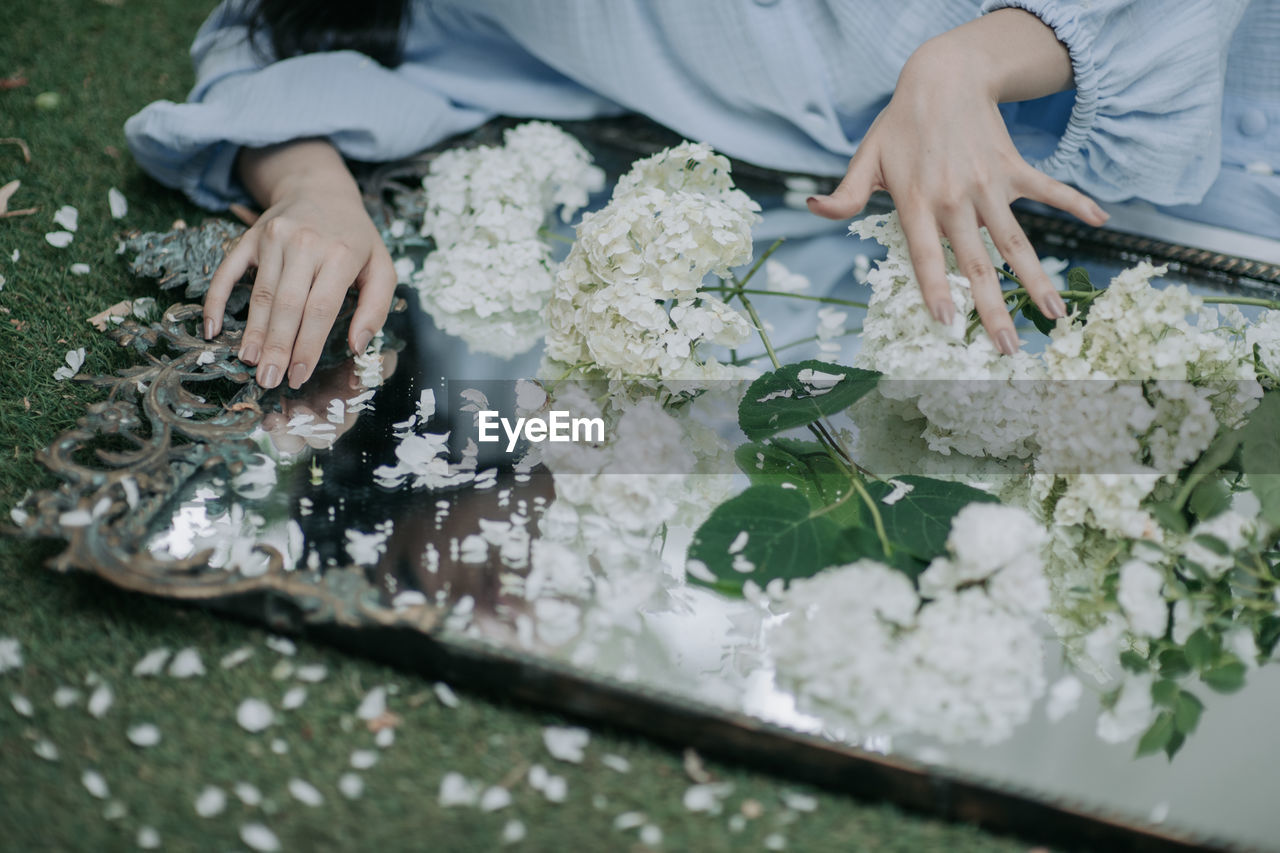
{"type": "Point", "coordinates": [79, 269]}
{"type": "Point", "coordinates": [566, 743]}
{"type": "Point", "coordinates": [282, 670]}
{"type": "Point", "coordinates": [118, 204]}
{"type": "Point", "coordinates": [10, 654]}
{"type": "Point", "coordinates": [312, 672]}
{"type": "Point", "coordinates": [350, 785]}
{"type": "Point", "coordinates": [363, 759]}
{"type": "Point", "coordinates": [615, 762]}
{"type": "Point", "coordinates": [374, 704]}
{"type": "Point", "coordinates": [280, 746]}
{"type": "Point", "coordinates": [495, 798]}
{"type": "Point", "coordinates": [538, 777]}
{"type": "Point", "coordinates": [152, 663]}
{"type": "Point", "coordinates": [651, 835]}
{"type": "Point", "coordinates": [114, 810]}
{"type": "Point", "coordinates": [293, 698]}
{"type": "Point", "coordinates": [455, 790]}
{"type": "Point", "coordinates": [799, 802]}
{"type": "Point", "coordinates": [629, 820]}
{"type": "Point", "coordinates": [59, 239]}
{"type": "Point", "coordinates": [100, 701]}
{"type": "Point", "coordinates": [234, 659]}
{"type": "Point", "coordinates": [282, 645]}
{"type": "Point", "coordinates": [305, 793]}
{"type": "Point", "coordinates": [211, 802]}
{"type": "Point", "coordinates": [144, 734]}
{"type": "Point", "coordinates": [186, 664]}
{"type": "Point", "coordinates": [22, 704]}
{"type": "Point", "coordinates": [95, 784]}
{"type": "Point", "coordinates": [446, 695]}
{"type": "Point", "coordinates": [68, 217]}
{"type": "Point", "coordinates": [247, 793]}
{"type": "Point", "coordinates": [556, 789]}
{"type": "Point", "coordinates": [384, 738]}
{"type": "Point", "coordinates": [254, 715]}
{"type": "Point", "coordinates": [258, 837]}
{"type": "Point", "coordinates": [65, 697]}
{"type": "Point", "coordinates": [148, 838]}
{"type": "Point", "coordinates": [513, 832]}
{"type": "Point", "coordinates": [46, 750]}
{"type": "Point", "coordinates": [775, 841]}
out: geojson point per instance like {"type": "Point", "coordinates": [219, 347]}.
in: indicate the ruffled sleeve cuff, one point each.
{"type": "Point", "coordinates": [367, 111]}
{"type": "Point", "coordinates": [1147, 117]}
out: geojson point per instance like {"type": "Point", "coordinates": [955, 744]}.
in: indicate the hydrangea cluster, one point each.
{"type": "Point", "coordinates": [628, 301]}
{"type": "Point", "coordinates": [960, 660]}
{"type": "Point", "coordinates": [991, 412]}
{"type": "Point", "coordinates": [490, 275]}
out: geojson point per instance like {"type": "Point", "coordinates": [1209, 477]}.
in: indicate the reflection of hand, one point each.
{"type": "Point", "coordinates": [341, 382]}
{"type": "Point", "coordinates": [942, 151]}
{"type": "Point", "coordinates": [314, 240]}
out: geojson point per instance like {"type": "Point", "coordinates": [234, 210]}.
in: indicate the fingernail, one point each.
{"type": "Point", "coordinates": [249, 353]}
{"type": "Point", "coordinates": [208, 328]}
{"type": "Point", "coordinates": [1006, 341]}
{"type": "Point", "coordinates": [1058, 307]}
{"type": "Point", "coordinates": [270, 377]}
{"type": "Point", "coordinates": [944, 313]}
{"type": "Point", "coordinates": [362, 340]}
{"type": "Point", "coordinates": [297, 375]}
{"type": "Point", "coordinates": [1100, 213]}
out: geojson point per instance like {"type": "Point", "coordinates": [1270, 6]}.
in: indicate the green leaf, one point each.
{"type": "Point", "coordinates": [1201, 649]}
{"type": "Point", "coordinates": [1176, 740]}
{"type": "Point", "coordinates": [1173, 663]}
{"type": "Point", "coordinates": [1210, 498]}
{"type": "Point", "coordinates": [1169, 516]}
{"type": "Point", "coordinates": [784, 539]}
{"type": "Point", "coordinates": [1219, 452]}
{"type": "Point", "coordinates": [779, 400]}
{"type": "Point", "coordinates": [1156, 737]}
{"type": "Point", "coordinates": [1225, 677]}
{"type": "Point", "coordinates": [1268, 633]}
{"type": "Point", "coordinates": [1260, 455]}
{"type": "Point", "coordinates": [1042, 323]}
{"type": "Point", "coordinates": [1164, 692]}
{"type": "Point", "coordinates": [919, 521]}
{"type": "Point", "coordinates": [806, 466]}
{"type": "Point", "coordinates": [1186, 713]}
{"type": "Point", "coordinates": [1132, 661]}
{"type": "Point", "coordinates": [1078, 279]}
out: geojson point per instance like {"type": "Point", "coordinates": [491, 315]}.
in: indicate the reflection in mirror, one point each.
{"type": "Point", "coordinates": [698, 441]}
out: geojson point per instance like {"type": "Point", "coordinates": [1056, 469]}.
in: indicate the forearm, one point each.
{"type": "Point", "coordinates": [1015, 55]}
{"type": "Point", "coordinates": [273, 172]}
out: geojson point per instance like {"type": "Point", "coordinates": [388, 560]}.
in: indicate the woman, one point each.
{"type": "Point", "coordinates": [905, 97]}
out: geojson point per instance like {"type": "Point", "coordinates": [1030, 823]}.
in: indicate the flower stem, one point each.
{"type": "Point", "coordinates": [830, 300]}
{"type": "Point", "coordinates": [746, 359]}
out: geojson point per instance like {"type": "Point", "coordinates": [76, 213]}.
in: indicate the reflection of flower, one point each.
{"type": "Point", "coordinates": [490, 275]}
{"type": "Point", "coordinates": [964, 663]}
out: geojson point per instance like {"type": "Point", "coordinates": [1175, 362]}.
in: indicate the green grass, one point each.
{"type": "Point", "coordinates": [106, 62]}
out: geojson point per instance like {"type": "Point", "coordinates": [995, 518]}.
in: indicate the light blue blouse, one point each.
{"type": "Point", "coordinates": [1176, 101]}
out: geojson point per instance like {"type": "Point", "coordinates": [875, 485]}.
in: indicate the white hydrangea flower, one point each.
{"type": "Point", "coordinates": [1132, 713]}
{"type": "Point", "coordinates": [628, 302]}
{"type": "Point", "coordinates": [1141, 597]}
{"type": "Point", "coordinates": [490, 276]}
{"type": "Point", "coordinates": [961, 668]}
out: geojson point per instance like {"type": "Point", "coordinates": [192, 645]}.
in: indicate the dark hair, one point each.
{"type": "Point", "coordinates": [294, 27]}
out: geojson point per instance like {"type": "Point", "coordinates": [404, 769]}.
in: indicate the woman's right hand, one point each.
{"type": "Point", "coordinates": [313, 242]}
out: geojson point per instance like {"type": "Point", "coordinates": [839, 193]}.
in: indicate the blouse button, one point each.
{"type": "Point", "coordinates": [1253, 122]}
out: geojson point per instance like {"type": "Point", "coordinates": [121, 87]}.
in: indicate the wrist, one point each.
{"type": "Point", "coordinates": [1009, 54]}
{"type": "Point", "coordinates": [308, 166]}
